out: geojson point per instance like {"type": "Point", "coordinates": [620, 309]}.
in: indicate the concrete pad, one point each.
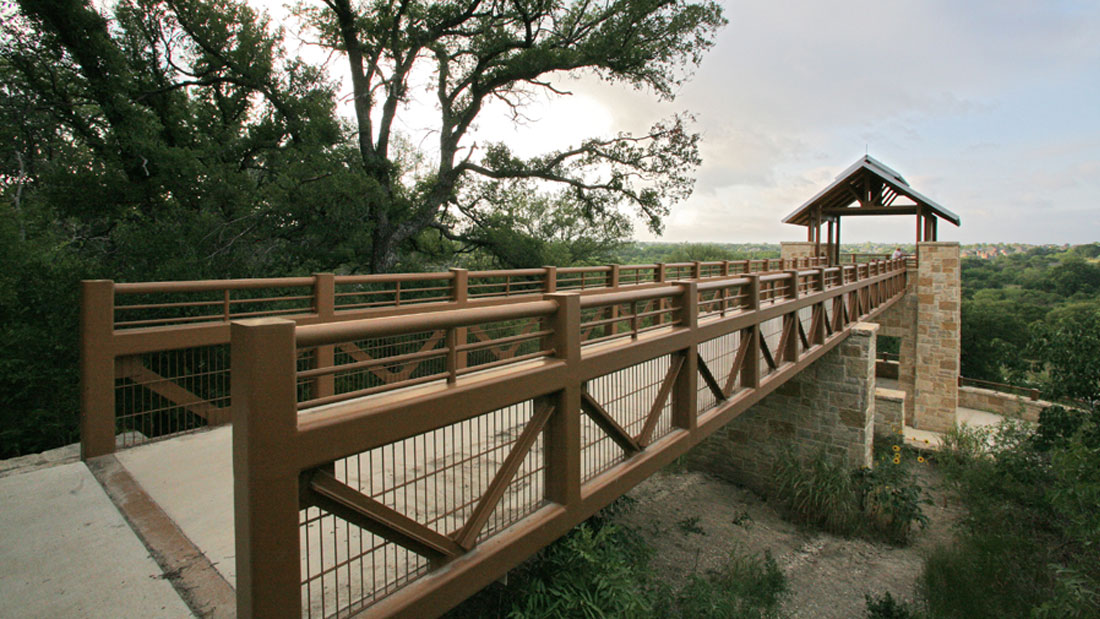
{"type": "Point", "coordinates": [976, 418]}
{"type": "Point", "coordinates": [191, 478]}
{"type": "Point", "coordinates": [65, 551]}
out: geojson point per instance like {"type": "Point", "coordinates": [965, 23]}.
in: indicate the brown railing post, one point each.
{"type": "Point", "coordinates": [324, 303]}
{"type": "Point", "coordinates": [265, 475]}
{"type": "Point", "coordinates": [550, 281]}
{"type": "Point", "coordinates": [685, 391]}
{"type": "Point", "coordinates": [613, 311]}
{"type": "Point", "coordinates": [563, 430]}
{"type": "Point", "coordinates": [750, 367]}
{"type": "Point", "coordinates": [97, 368]}
{"type": "Point", "coordinates": [460, 294]}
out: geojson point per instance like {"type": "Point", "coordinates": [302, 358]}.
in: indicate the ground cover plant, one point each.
{"type": "Point", "coordinates": [602, 569]}
{"type": "Point", "coordinates": [1030, 544]}
{"type": "Point", "coordinates": [882, 502]}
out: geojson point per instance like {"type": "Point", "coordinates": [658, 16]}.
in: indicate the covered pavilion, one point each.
{"type": "Point", "coordinates": [867, 187]}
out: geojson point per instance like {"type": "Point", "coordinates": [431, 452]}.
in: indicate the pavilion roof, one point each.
{"type": "Point", "coordinates": [867, 187]}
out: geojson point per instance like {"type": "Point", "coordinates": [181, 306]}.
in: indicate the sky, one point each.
{"type": "Point", "coordinates": [989, 107]}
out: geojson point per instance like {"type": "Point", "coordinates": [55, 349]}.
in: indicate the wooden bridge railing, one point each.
{"type": "Point", "coordinates": [155, 355]}
{"type": "Point", "coordinates": [407, 496]}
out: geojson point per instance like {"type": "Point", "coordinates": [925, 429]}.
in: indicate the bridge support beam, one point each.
{"type": "Point", "coordinates": [827, 407]}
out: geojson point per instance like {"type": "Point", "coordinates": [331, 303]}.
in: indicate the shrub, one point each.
{"type": "Point", "coordinates": [1030, 543]}
{"type": "Point", "coordinates": [887, 606]}
{"type": "Point", "coordinates": [882, 502]}
{"type": "Point", "coordinates": [748, 587]}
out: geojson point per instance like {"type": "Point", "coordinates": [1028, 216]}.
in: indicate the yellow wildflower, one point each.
{"type": "Point", "coordinates": [897, 448]}
{"type": "Point", "coordinates": [920, 458]}
{"type": "Point", "coordinates": [897, 459]}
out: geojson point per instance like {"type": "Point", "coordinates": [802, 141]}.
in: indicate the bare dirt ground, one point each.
{"type": "Point", "coordinates": [695, 521]}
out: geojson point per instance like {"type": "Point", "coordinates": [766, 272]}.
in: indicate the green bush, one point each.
{"type": "Point", "coordinates": [882, 502]}
{"type": "Point", "coordinates": [748, 587]}
{"type": "Point", "coordinates": [886, 606]}
{"type": "Point", "coordinates": [1030, 542]}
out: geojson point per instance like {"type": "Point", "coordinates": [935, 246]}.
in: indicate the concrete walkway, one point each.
{"type": "Point", "coordinates": [66, 551]}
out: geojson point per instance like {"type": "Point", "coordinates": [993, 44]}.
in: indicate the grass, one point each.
{"type": "Point", "coordinates": [602, 569]}
{"type": "Point", "coordinates": [881, 503]}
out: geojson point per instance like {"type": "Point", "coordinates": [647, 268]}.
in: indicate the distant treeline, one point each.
{"type": "Point", "coordinates": [1031, 317]}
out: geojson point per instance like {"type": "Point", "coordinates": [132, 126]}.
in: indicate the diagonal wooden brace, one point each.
{"type": "Point", "coordinates": [467, 535]}
{"type": "Point", "coordinates": [607, 423]}
{"type": "Point", "coordinates": [708, 378]}
{"type": "Point", "coordinates": [341, 500]}
{"type": "Point", "coordinates": [662, 396]}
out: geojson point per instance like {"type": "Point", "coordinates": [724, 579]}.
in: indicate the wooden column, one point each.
{"type": "Point", "coordinates": [685, 390]}
{"type": "Point", "coordinates": [265, 480]}
{"type": "Point", "coordinates": [563, 430]}
{"type": "Point", "coordinates": [97, 368]}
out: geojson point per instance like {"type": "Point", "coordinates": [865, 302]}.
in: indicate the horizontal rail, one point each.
{"type": "Point", "coordinates": [183, 327]}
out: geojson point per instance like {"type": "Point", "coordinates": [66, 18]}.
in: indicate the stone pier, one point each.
{"type": "Point", "coordinates": [927, 320]}
{"type": "Point", "coordinates": [827, 407]}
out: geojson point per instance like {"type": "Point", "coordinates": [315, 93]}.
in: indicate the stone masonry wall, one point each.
{"type": "Point", "coordinates": [900, 321]}
{"type": "Point", "coordinates": [936, 395]}
{"type": "Point", "coordinates": [828, 406]}
{"type": "Point", "coordinates": [1003, 404]}
{"type": "Point", "coordinates": [889, 407]}
{"type": "Point", "coordinates": [795, 249]}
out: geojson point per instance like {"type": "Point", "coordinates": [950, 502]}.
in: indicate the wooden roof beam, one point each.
{"type": "Point", "coordinates": [872, 210]}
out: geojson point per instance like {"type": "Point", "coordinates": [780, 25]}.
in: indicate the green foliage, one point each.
{"type": "Point", "coordinates": [883, 502]}
{"type": "Point", "coordinates": [601, 569]}
{"type": "Point", "coordinates": [1030, 543]}
{"type": "Point", "coordinates": [886, 606]}
{"type": "Point", "coordinates": [749, 587]}
{"type": "Point", "coordinates": [1026, 317]}
{"type": "Point", "coordinates": [592, 572]}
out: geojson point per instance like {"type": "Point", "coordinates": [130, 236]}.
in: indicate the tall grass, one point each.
{"type": "Point", "coordinates": [883, 502]}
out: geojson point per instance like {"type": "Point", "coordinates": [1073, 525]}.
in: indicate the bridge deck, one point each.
{"type": "Point", "coordinates": [57, 522]}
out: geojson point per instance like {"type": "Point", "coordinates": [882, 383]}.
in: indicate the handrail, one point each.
{"type": "Point", "coordinates": [287, 460]}
{"type": "Point", "coordinates": [160, 358]}
{"type": "Point", "coordinates": [333, 332]}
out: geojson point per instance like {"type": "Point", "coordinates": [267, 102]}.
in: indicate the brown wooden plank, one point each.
{"type": "Point", "coordinates": [708, 378]}
{"type": "Point", "coordinates": [467, 536]}
{"type": "Point", "coordinates": [659, 403]}
{"type": "Point", "coordinates": [343, 501]}
{"type": "Point", "coordinates": [785, 337]}
{"type": "Point", "coordinates": [135, 370]}
{"type": "Point", "coordinates": [738, 362]}
{"type": "Point", "coordinates": [767, 353]}
{"type": "Point", "coordinates": [608, 424]}
{"type": "Point", "coordinates": [802, 335]}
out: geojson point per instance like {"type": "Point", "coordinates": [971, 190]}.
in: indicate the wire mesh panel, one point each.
{"type": "Point", "coordinates": [805, 318]}
{"type": "Point", "coordinates": [627, 395]}
{"type": "Point", "coordinates": [168, 393]}
{"type": "Point", "coordinates": [495, 342]}
{"type": "Point", "coordinates": [436, 479]}
{"type": "Point", "coordinates": [771, 332]}
{"type": "Point", "coordinates": [719, 355]}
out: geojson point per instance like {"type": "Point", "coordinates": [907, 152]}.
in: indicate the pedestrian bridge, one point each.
{"type": "Point", "coordinates": [400, 441]}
